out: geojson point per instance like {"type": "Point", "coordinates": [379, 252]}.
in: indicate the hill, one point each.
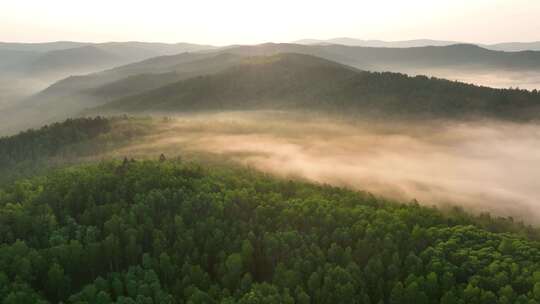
{"type": "Point", "coordinates": [94, 57]}
{"type": "Point", "coordinates": [10, 58]}
{"type": "Point", "coordinates": [377, 43]}
{"type": "Point", "coordinates": [41, 47]}
{"type": "Point", "coordinates": [516, 46]}
{"type": "Point", "coordinates": [176, 232]}
{"type": "Point", "coordinates": [58, 144]}
{"type": "Point", "coordinates": [79, 60]}
{"type": "Point", "coordinates": [73, 141]}
{"type": "Point", "coordinates": [302, 82]}
{"type": "Point", "coordinates": [460, 58]}
{"type": "Point", "coordinates": [157, 76]}
{"type": "Point", "coordinates": [69, 96]}
{"type": "Point", "coordinates": [41, 64]}
{"type": "Point", "coordinates": [504, 46]}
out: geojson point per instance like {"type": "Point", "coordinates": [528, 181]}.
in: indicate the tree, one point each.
{"type": "Point", "coordinates": [397, 296]}
{"type": "Point", "coordinates": [449, 298]}
{"type": "Point", "coordinates": [57, 282]}
{"type": "Point", "coordinates": [234, 266]}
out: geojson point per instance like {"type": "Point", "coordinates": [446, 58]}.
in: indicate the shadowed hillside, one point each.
{"type": "Point", "coordinates": [27, 68]}
{"type": "Point", "coordinates": [294, 81]}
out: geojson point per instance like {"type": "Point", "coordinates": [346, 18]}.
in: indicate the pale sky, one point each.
{"type": "Point", "coordinates": [246, 22]}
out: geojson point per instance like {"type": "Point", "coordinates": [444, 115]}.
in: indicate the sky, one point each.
{"type": "Point", "coordinates": [251, 21]}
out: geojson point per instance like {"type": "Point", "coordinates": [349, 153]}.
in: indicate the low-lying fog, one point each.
{"type": "Point", "coordinates": [14, 89]}
{"type": "Point", "coordinates": [529, 80]}
{"type": "Point", "coordinates": [484, 166]}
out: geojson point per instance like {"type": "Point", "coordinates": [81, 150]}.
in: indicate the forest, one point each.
{"type": "Point", "coordinates": [179, 232]}
{"type": "Point", "coordinates": [35, 150]}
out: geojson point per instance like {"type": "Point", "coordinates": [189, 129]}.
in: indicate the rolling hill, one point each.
{"type": "Point", "coordinates": [183, 65]}
{"type": "Point", "coordinates": [71, 95]}
{"type": "Point", "coordinates": [516, 46]}
{"type": "Point", "coordinates": [377, 43]}
{"type": "Point", "coordinates": [27, 69]}
{"type": "Point", "coordinates": [504, 46]}
{"type": "Point", "coordinates": [58, 59]}
{"type": "Point", "coordinates": [303, 82]}
{"type": "Point", "coordinates": [45, 63]}
{"type": "Point", "coordinates": [456, 57]}
{"type": "Point", "coordinates": [83, 59]}
{"type": "Point", "coordinates": [10, 58]}
{"type": "Point", "coordinates": [128, 48]}
{"type": "Point", "coordinates": [41, 47]}
{"type": "Point", "coordinates": [459, 58]}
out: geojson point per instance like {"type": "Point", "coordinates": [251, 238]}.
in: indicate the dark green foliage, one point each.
{"type": "Point", "coordinates": [170, 232]}
{"type": "Point", "coordinates": [29, 151]}
{"type": "Point", "coordinates": [50, 140]}
{"type": "Point", "coordinates": [22, 153]}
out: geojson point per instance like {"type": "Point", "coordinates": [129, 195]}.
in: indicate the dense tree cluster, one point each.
{"type": "Point", "coordinates": [50, 140]}
{"type": "Point", "coordinates": [27, 152]}
{"type": "Point", "coordinates": [405, 96]}
{"type": "Point", "coordinates": [172, 232]}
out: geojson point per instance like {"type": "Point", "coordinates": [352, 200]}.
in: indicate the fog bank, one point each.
{"type": "Point", "coordinates": [483, 166]}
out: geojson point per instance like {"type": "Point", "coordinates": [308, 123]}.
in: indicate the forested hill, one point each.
{"type": "Point", "coordinates": [456, 56]}
{"type": "Point", "coordinates": [32, 151]}
{"type": "Point", "coordinates": [173, 232]}
{"type": "Point", "coordinates": [295, 81]}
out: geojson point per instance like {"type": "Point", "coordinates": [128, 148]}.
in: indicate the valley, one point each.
{"type": "Point", "coordinates": [256, 167]}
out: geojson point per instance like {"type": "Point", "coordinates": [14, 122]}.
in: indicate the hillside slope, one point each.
{"type": "Point", "coordinates": [70, 96]}
{"type": "Point", "coordinates": [28, 68]}
{"type": "Point", "coordinates": [82, 59]}
{"type": "Point", "coordinates": [295, 81]}
{"type": "Point", "coordinates": [94, 57]}
{"type": "Point", "coordinates": [504, 46]}
{"type": "Point", "coordinates": [58, 144]}
{"type": "Point", "coordinates": [174, 232]}
{"type": "Point", "coordinates": [458, 57]}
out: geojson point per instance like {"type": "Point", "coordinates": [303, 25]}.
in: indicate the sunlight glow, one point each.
{"type": "Point", "coordinates": [242, 21]}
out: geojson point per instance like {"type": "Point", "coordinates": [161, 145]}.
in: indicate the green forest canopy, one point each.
{"type": "Point", "coordinates": [175, 232]}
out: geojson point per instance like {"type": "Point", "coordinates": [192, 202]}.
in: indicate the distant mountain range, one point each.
{"type": "Point", "coordinates": [26, 68]}
{"type": "Point", "coordinates": [155, 48]}
{"type": "Point", "coordinates": [61, 59]}
{"type": "Point", "coordinates": [137, 77]}
{"type": "Point", "coordinates": [506, 46]}
{"type": "Point", "coordinates": [377, 43]}
{"type": "Point", "coordinates": [188, 79]}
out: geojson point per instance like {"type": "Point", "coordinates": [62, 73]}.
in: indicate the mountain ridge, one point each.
{"type": "Point", "coordinates": [304, 82]}
{"type": "Point", "coordinates": [381, 59]}
{"type": "Point", "coordinates": [501, 46]}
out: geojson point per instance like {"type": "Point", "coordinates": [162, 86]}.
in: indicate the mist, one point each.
{"type": "Point", "coordinates": [14, 89]}
{"type": "Point", "coordinates": [487, 166]}
{"type": "Point", "coordinates": [528, 80]}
